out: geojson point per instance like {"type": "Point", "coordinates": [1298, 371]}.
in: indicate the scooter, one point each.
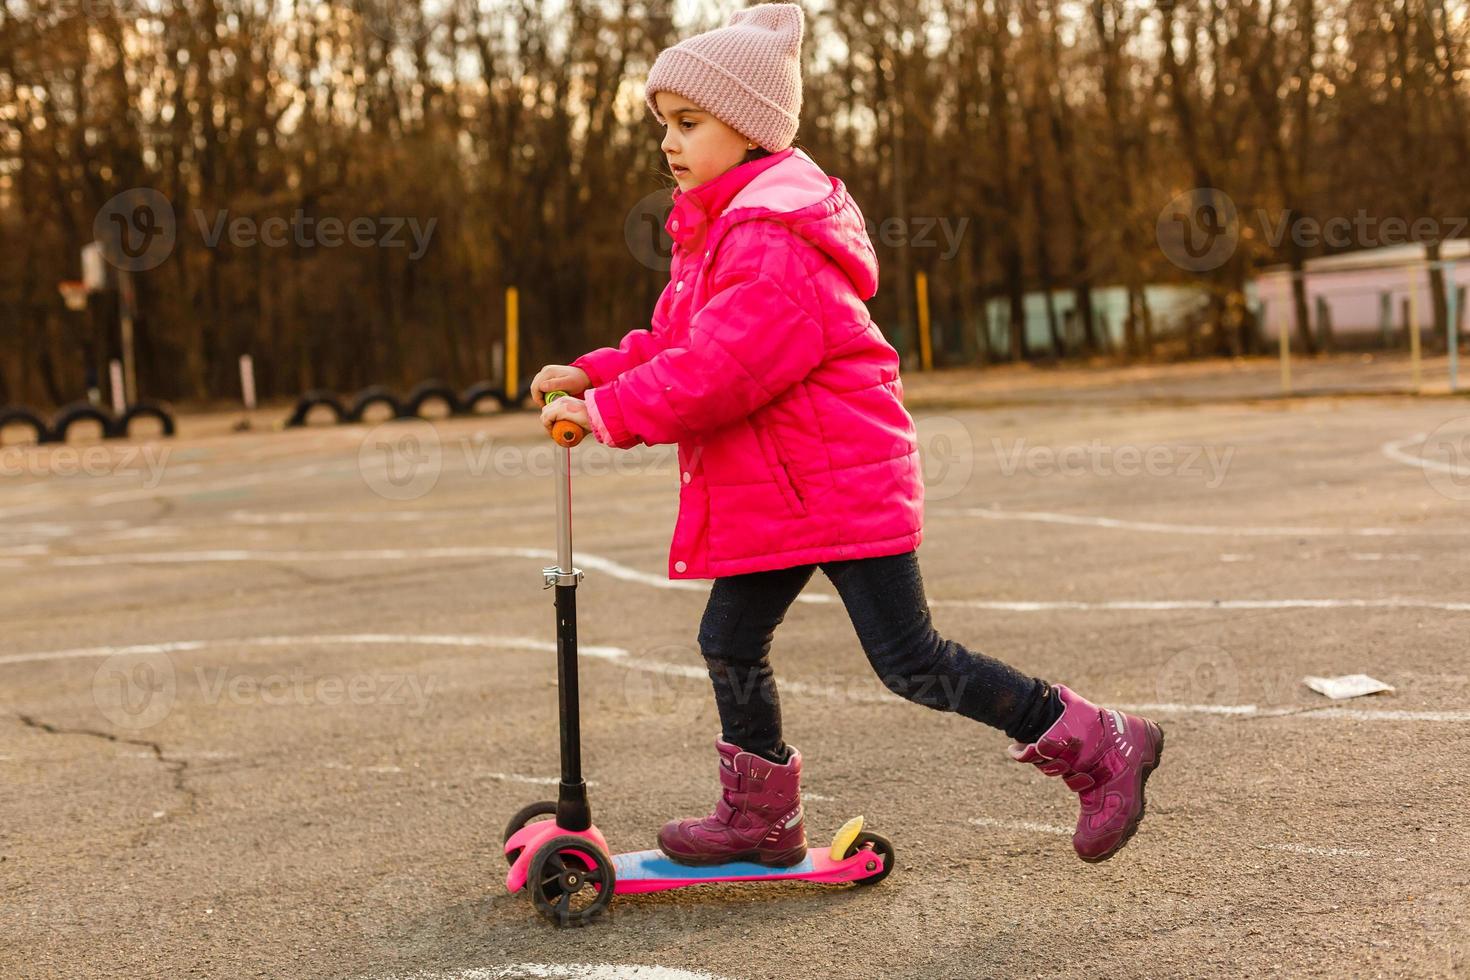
{"type": "Point", "coordinates": [565, 862]}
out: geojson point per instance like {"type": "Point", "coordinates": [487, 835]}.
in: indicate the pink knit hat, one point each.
{"type": "Point", "coordinates": [747, 73]}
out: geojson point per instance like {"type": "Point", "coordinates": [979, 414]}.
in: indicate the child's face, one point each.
{"type": "Point", "coordinates": [698, 146]}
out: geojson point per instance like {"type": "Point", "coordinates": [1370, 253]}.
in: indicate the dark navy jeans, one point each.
{"type": "Point", "coordinates": [886, 603]}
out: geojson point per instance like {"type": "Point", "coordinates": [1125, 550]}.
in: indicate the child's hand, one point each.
{"type": "Point", "coordinates": [572, 409]}
{"type": "Point", "coordinates": [559, 377]}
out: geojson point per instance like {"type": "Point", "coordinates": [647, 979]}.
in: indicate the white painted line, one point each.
{"type": "Point", "coordinates": [1380, 556]}
{"type": "Point", "coordinates": [447, 515]}
{"type": "Point", "coordinates": [1394, 450]}
{"type": "Point", "coordinates": [1030, 827]}
{"type": "Point", "coordinates": [372, 769]}
{"type": "Point", "coordinates": [1160, 527]}
{"type": "Point", "coordinates": [564, 971]}
{"type": "Point", "coordinates": [1023, 826]}
{"type": "Point", "coordinates": [31, 509]}
{"type": "Point", "coordinates": [228, 483]}
{"type": "Point", "coordinates": [1318, 851]}
{"type": "Point", "coordinates": [515, 777]}
{"type": "Point", "coordinates": [1179, 604]}
{"type": "Point", "coordinates": [1196, 709]}
{"type": "Point", "coordinates": [348, 639]}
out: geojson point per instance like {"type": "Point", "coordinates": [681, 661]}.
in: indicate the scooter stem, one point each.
{"type": "Point", "coordinates": [572, 810]}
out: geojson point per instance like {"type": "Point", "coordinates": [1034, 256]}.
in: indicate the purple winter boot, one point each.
{"type": "Point", "coordinates": [758, 817]}
{"type": "Point", "coordinates": [1105, 757]}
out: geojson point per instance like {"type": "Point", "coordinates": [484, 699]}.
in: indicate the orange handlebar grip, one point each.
{"type": "Point", "coordinates": [565, 432]}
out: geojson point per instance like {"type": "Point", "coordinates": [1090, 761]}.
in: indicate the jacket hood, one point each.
{"type": "Point", "coordinates": [819, 209]}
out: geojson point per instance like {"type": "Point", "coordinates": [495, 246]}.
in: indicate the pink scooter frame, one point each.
{"type": "Point", "coordinates": [567, 858]}
{"type": "Point", "coordinates": [638, 872]}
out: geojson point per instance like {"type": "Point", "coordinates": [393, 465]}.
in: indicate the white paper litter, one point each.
{"type": "Point", "coordinates": [1346, 686]}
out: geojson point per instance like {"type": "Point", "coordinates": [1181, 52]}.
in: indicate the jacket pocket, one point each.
{"type": "Point", "coordinates": [781, 471]}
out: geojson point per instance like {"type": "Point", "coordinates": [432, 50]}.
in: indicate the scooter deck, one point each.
{"type": "Point", "coordinates": [652, 871]}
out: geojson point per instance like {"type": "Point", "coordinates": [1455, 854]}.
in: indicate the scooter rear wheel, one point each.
{"type": "Point", "coordinates": [571, 880]}
{"type": "Point", "coordinates": [544, 808]}
{"type": "Point", "coordinates": [881, 847]}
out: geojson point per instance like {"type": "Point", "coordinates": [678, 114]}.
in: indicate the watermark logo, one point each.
{"type": "Point", "coordinates": [137, 229]}
{"type": "Point", "coordinates": [1199, 230]}
{"type": "Point", "coordinates": [1200, 675]}
{"type": "Point", "coordinates": [401, 460]}
{"type": "Point", "coordinates": [644, 232]}
{"type": "Point", "coordinates": [399, 21]}
{"type": "Point", "coordinates": [135, 691]}
{"type": "Point", "coordinates": [1446, 458]}
{"type": "Point", "coordinates": [947, 454]}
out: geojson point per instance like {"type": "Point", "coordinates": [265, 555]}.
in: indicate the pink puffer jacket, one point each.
{"type": "Point", "coordinates": [765, 367]}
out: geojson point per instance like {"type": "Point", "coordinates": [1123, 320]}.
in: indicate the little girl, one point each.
{"type": "Point", "coordinates": [796, 453]}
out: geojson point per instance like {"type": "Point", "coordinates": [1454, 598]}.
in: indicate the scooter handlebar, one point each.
{"type": "Point", "coordinates": [565, 431]}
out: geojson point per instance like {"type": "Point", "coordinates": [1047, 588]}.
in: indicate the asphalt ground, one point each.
{"type": "Point", "coordinates": [268, 698]}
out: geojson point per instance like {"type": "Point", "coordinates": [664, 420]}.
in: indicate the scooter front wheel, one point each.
{"type": "Point", "coordinates": [571, 880]}
{"type": "Point", "coordinates": [544, 808]}
{"type": "Point", "coordinates": [880, 847]}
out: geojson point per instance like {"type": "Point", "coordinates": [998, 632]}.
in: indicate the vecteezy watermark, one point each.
{"type": "Point", "coordinates": [1199, 230]}
{"type": "Point", "coordinates": [1445, 455]}
{"type": "Point", "coordinates": [1094, 458]}
{"type": "Point", "coordinates": [920, 232]}
{"type": "Point", "coordinates": [221, 685]}
{"type": "Point", "coordinates": [645, 230]}
{"type": "Point", "coordinates": [148, 461]}
{"type": "Point", "coordinates": [138, 230]}
{"type": "Point", "coordinates": [137, 689]}
{"type": "Point", "coordinates": [404, 459]}
{"type": "Point", "coordinates": [1362, 230]}
{"type": "Point", "coordinates": [1208, 675]}
{"type": "Point", "coordinates": [401, 21]}
{"type": "Point", "coordinates": [1200, 675]}
{"type": "Point", "coordinates": [401, 460]}
{"type": "Point", "coordinates": [308, 232]}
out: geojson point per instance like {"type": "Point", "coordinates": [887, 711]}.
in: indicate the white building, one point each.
{"type": "Point", "coordinates": [1365, 291]}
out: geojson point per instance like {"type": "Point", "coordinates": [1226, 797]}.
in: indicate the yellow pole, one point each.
{"type": "Point", "coordinates": [1284, 325]}
{"type": "Point", "coordinates": [1414, 326]}
{"type": "Point", "coordinates": [926, 351]}
{"type": "Point", "coordinates": [512, 340]}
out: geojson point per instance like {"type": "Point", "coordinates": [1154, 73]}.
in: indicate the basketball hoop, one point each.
{"type": "Point", "coordinates": [73, 294]}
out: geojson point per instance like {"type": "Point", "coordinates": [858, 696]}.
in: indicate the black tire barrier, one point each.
{"type": "Point", "coordinates": [470, 401]}
{"type": "Point", "coordinates": [24, 416]}
{"type": "Point", "coordinates": [145, 410]}
{"type": "Point", "coordinates": [315, 399]}
{"type": "Point", "coordinates": [466, 403]}
{"type": "Point", "coordinates": [413, 406]}
{"type": "Point", "coordinates": [81, 412]}
{"type": "Point", "coordinates": [522, 395]}
{"type": "Point", "coordinates": [376, 395]}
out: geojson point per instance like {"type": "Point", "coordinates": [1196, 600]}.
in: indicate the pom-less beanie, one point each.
{"type": "Point", "coordinates": [747, 73]}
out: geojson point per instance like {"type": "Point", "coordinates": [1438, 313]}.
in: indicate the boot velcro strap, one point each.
{"type": "Point", "coordinates": [724, 812]}
{"type": "Point", "coordinates": [1079, 781]}
{"type": "Point", "coordinates": [732, 780]}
